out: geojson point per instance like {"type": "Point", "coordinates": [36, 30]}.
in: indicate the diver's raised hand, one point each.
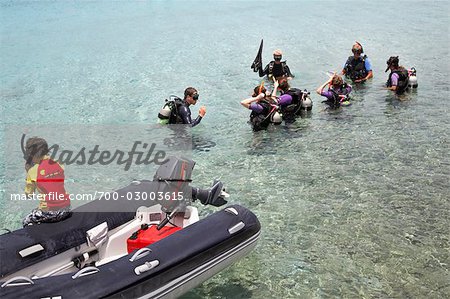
{"type": "Point", "coordinates": [260, 96]}
{"type": "Point", "coordinates": [202, 111]}
{"type": "Point", "coordinates": [276, 84]}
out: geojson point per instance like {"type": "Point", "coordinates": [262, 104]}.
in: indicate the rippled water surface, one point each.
{"type": "Point", "coordinates": [353, 203]}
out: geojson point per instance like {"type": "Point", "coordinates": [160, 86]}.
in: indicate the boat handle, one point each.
{"type": "Point", "coordinates": [85, 271]}
{"type": "Point", "coordinates": [140, 253]}
{"type": "Point", "coordinates": [14, 279]}
{"type": "Point", "coordinates": [237, 227]}
{"type": "Point", "coordinates": [146, 267]}
{"type": "Point", "coordinates": [232, 211]}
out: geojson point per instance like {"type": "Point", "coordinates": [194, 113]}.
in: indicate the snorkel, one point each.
{"type": "Point", "coordinates": [259, 89]}
{"type": "Point", "coordinates": [261, 86]}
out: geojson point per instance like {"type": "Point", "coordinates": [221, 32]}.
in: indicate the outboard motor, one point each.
{"type": "Point", "coordinates": [174, 177]}
{"type": "Point", "coordinates": [412, 78]}
{"type": "Point", "coordinates": [306, 103]}
{"type": "Point", "coordinates": [175, 169]}
{"type": "Point", "coordinates": [214, 196]}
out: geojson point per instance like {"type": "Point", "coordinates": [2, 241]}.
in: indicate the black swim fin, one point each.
{"type": "Point", "coordinates": [257, 63]}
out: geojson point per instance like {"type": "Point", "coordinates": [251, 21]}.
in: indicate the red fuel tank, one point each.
{"type": "Point", "coordinates": [148, 235]}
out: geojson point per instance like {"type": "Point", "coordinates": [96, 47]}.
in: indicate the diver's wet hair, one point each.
{"type": "Point", "coordinates": [259, 89]}
{"type": "Point", "coordinates": [357, 48]}
{"type": "Point", "coordinates": [284, 84]}
{"type": "Point", "coordinates": [190, 91]}
{"type": "Point", "coordinates": [337, 81]}
{"type": "Point", "coordinates": [393, 61]}
{"type": "Point", "coordinates": [35, 147]}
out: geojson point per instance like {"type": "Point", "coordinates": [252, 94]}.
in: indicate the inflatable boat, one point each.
{"type": "Point", "coordinates": [126, 249]}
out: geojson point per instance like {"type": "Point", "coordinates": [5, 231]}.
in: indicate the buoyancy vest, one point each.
{"type": "Point", "coordinates": [279, 72]}
{"type": "Point", "coordinates": [50, 181]}
{"type": "Point", "coordinates": [336, 101]}
{"type": "Point", "coordinates": [174, 104]}
{"type": "Point", "coordinates": [403, 78]}
{"type": "Point", "coordinates": [261, 121]}
{"type": "Point", "coordinates": [356, 68]}
{"type": "Point", "coordinates": [295, 105]}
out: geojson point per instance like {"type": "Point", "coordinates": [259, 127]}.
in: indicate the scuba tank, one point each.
{"type": "Point", "coordinates": [306, 102]}
{"type": "Point", "coordinates": [166, 111]}
{"type": "Point", "coordinates": [412, 78]}
{"type": "Point", "coordinates": [276, 118]}
{"type": "Point", "coordinates": [164, 114]}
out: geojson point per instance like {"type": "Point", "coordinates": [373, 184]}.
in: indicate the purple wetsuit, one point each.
{"type": "Point", "coordinates": [329, 94]}
{"type": "Point", "coordinates": [283, 100]}
{"type": "Point", "coordinates": [394, 79]}
{"type": "Point", "coordinates": [256, 107]}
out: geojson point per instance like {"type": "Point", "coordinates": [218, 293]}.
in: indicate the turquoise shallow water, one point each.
{"type": "Point", "coordinates": [353, 203]}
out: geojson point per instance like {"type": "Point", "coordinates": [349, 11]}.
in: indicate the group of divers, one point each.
{"type": "Point", "coordinates": [285, 102]}
{"type": "Point", "coordinates": [282, 103]}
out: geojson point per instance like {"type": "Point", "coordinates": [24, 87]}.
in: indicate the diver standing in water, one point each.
{"type": "Point", "coordinates": [357, 67]}
{"type": "Point", "coordinates": [177, 111]}
{"type": "Point", "coordinates": [300, 100]}
{"type": "Point", "coordinates": [276, 68]}
{"type": "Point", "coordinates": [265, 107]}
{"type": "Point", "coordinates": [262, 106]}
{"type": "Point", "coordinates": [398, 78]}
{"type": "Point", "coordinates": [337, 93]}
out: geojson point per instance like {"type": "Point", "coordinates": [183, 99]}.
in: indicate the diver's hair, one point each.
{"type": "Point", "coordinates": [337, 81]}
{"type": "Point", "coordinates": [393, 61]}
{"type": "Point", "coordinates": [258, 89]}
{"type": "Point", "coordinates": [36, 147]}
{"type": "Point", "coordinates": [358, 46]}
{"type": "Point", "coordinates": [190, 91]}
{"type": "Point", "coordinates": [284, 85]}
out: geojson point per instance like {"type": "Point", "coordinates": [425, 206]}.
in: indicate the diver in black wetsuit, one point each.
{"type": "Point", "coordinates": [182, 114]}
{"type": "Point", "coordinates": [276, 68]}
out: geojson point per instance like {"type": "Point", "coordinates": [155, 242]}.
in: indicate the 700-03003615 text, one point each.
{"type": "Point", "coordinates": [142, 195]}
{"type": "Point", "coordinates": [160, 196]}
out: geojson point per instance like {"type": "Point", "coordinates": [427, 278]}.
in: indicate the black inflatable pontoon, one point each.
{"type": "Point", "coordinates": [55, 260]}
